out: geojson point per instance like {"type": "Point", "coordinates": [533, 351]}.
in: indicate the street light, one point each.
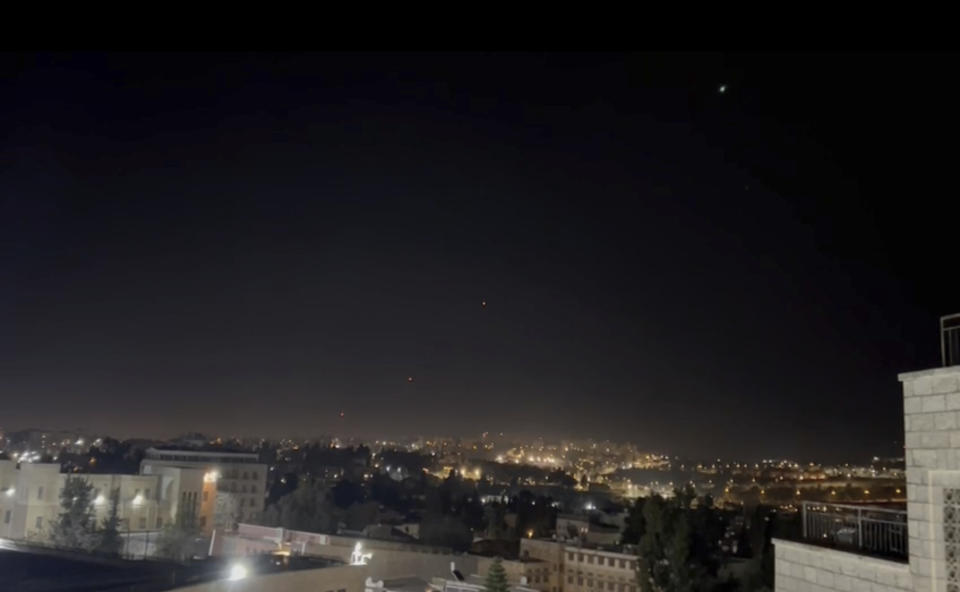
{"type": "Point", "coordinates": [237, 572]}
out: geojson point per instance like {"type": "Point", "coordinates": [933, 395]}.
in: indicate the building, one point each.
{"type": "Point", "coordinates": [880, 550]}
{"type": "Point", "coordinates": [240, 480]}
{"type": "Point", "coordinates": [30, 498]}
{"type": "Point", "coordinates": [583, 568]}
{"type": "Point", "coordinates": [588, 529]}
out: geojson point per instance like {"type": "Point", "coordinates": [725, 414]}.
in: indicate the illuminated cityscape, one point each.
{"type": "Point", "coordinates": [479, 321]}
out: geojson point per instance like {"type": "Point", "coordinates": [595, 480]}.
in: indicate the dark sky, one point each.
{"type": "Point", "coordinates": [249, 243]}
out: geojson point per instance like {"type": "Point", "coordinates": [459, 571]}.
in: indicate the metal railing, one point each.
{"type": "Point", "coordinates": [950, 340]}
{"type": "Point", "coordinates": [867, 529]}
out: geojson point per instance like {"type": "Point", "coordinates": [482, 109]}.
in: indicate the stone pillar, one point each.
{"type": "Point", "coordinates": [931, 406]}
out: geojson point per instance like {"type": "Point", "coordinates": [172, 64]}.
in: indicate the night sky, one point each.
{"type": "Point", "coordinates": [248, 244]}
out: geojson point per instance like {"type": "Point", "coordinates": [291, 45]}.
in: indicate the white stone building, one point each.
{"type": "Point", "coordinates": [931, 561]}
{"type": "Point", "coordinates": [240, 477]}
{"type": "Point", "coordinates": [30, 498]}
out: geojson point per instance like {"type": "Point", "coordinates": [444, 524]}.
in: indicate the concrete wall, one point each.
{"type": "Point", "coordinates": [807, 568]}
{"type": "Point", "coordinates": [328, 579]}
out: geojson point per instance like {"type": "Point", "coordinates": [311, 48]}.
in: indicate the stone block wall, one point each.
{"type": "Point", "coordinates": [931, 405]}
{"type": "Point", "coordinates": [806, 568]}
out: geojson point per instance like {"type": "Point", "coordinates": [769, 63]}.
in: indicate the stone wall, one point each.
{"type": "Point", "coordinates": [931, 405]}
{"type": "Point", "coordinates": [807, 568]}
{"type": "Point", "coordinates": [328, 579]}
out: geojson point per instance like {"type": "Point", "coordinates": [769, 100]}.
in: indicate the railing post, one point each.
{"type": "Point", "coordinates": [859, 528]}
{"type": "Point", "coordinates": [803, 518]}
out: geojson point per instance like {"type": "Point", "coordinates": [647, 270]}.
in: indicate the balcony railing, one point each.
{"type": "Point", "coordinates": [863, 529]}
{"type": "Point", "coordinates": [950, 339]}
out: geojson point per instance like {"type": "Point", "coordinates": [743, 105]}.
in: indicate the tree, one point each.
{"type": "Point", "coordinates": [75, 527]}
{"type": "Point", "coordinates": [110, 542]}
{"type": "Point", "coordinates": [496, 580]}
{"type": "Point", "coordinates": [176, 540]}
{"type": "Point", "coordinates": [346, 493]}
{"type": "Point", "coordinates": [635, 525]}
{"type": "Point", "coordinates": [445, 531]}
{"type": "Point", "coordinates": [307, 508]}
{"type": "Point", "coordinates": [678, 549]}
{"type": "Point", "coordinates": [359, 516]}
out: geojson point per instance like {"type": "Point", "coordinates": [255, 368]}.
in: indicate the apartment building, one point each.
{"type": "Point", "coordinates": [30, 498]}
{"type": "Point", "coordinates": [583, 568]}
{"type": "Point", "coordinates": [240, 480]}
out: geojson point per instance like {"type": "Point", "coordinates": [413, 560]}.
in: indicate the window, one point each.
{"type": "Point", "coordinates": [39, 520]}
{"type": "Point", "coordinates": [623, 563]}
{"type": "Point", "coordinates": [143, 523]}
{"type": "Point", "coordinates": [569, 579]}
{"type": "Point", "coordinates": [590, 582]}
{"type": "Point", "coordinates": [590, 558]}
{"type": "Point", "coordinates": [580, 557]}
{"type": "Point", "coordinates": [570, 555]}
{"type": "Point", "coordinates": [160, 523]}
{"type": "Point", "coordinates": [579, 581]}
{"type": "Point", "coordinates": [39, 496]}
{"type": "Point", "coordinates": [253, 475]}
{"type": "Point", "coordinates": [246, 475]}
{"type": "Point", "coordinates": [610, 586]}
{"type": "Point", "coordinates": [6, 517]}
{"type": "Point", "coordinates": [620, 587]}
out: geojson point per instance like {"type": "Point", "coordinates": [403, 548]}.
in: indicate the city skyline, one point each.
{"type": "Point", "coordinates": [690, 252]}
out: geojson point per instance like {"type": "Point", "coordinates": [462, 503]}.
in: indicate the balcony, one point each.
{"type": "Point", "coordinates": [867, 530]}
